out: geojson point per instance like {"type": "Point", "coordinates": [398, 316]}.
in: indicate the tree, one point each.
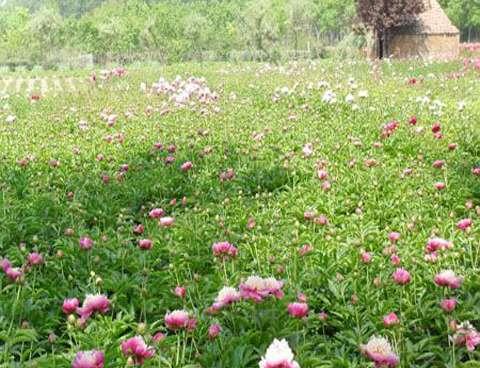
{"type": "Point", "coordinates": [384, 15]}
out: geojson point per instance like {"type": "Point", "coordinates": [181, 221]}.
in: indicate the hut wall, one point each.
{"type": "Point", "coordinates": [431, 46]}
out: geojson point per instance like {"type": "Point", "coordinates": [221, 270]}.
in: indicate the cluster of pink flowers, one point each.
{"type": "Point", "coordinates": [401, 276]}
{"type": "Point", "coordinates": [92, 304]}
{"type": "Point", "coordinates": [466, 335]}
{"type": "Point", "coordinates": [257, 289]}
{"type": "Point", "coordinates": [226, 297]}
{"type": "Point", "coordinates": [180, 320]}
{"type": "Point", "coordinates": [224, 250]}
{"type": "Point", "coordinates": [13, 273]}
{"type": "Point", "coordinates": [389, 128]}
{"type": "Point", "coordinates": [447, 278]}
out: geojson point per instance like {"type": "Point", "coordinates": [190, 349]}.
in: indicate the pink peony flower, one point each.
{"type": "Point", "coordinates": [298, 310]}
{"type": "Point", "coordinates": [439, 185]}
{"type": "Point", "coordinates": [309, 215]}
{"type": "Point", "coordinates": [166, 221]}
{"type": "Point", "coordinates": [156, 213]}
{"type": "Point", "coordinates": [466, 335]}
{"type": "Point", "coordinates": [305, 249]}
{"type": "Point", "coordinates": [464, 224]}
{"type": "Point", "coordinates": [393, 237]}
{"type": "Point", "coordinates": [93, 304]}
{"type": "Point", "coordinates": [476, 171]}
{"type": "Point", "coordinates": [395, 259]}
{"type": "Point", "coordinates": [436, 128]}
{"type": "Point", "coordinates": [226, 297]}
{"type": "Point", "coordinates": [145, 244]}
{"type": "Point", "coordinates": [178, 320]}
{"type": "Point", "coordinates": [366, 257]}
{"type": "Point", "coordinates": [436, 244]}
{"type": "Point", "coordinates": [180, 291]}
{"type": "Point", "coordinates": [158, 337]}
{"type": "Point", "coordinates": [186, 166]}
{"type": "Point", "coordinates": [322, 174]}
{"type": "Point", "coordinates": [380, 352]}
{"type": "Point", "coordinates": [256, 288]}
{"type": "Point", "coordinates": [401, 276]}
{"type": "Point", "coordinates": [14, 273]}
{"type": "Point", "coordinates": [70, 305]}
{"type": "Point", "coordinates": [448, 305]}
{"type": "Point", "coordinates": [214, 330]}
{"type": "Point", "coordinates": [89, 359]}
{"type": "Point", "coordinates": [438, 164]}
{"type": "Point", "coordinates": [34, 259]}
{"type": "Point", "coordinates": [136, 348]}
{"type": "Point", "coordinates": [5, 264]}
{"type": "Point", "coordinates": [138, 229]}
{"type": "Point", "coordinates": [85, 243]}
{"type": "Point", "coordinates": [413, 120]}
{"type": "Point", "coordinates": [279, 355]}
{"type": "Point", "coordinates": [390, 319]}
{"type": "Point", "coordinates": [224, 250]}
{"type": "Point", "coordinates": [447, 278]}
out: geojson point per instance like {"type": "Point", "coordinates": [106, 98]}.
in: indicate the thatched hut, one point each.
{"type": "Point", "coordinates": [431, 36]}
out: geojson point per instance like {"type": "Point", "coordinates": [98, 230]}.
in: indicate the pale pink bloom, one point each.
{"type": "Point", "coordinates": [401, 276]}
{"type": "Point", "coordinates": [305, 249]}
{"type": "Point", "coordinates": [180, 291]}
{"type": "Point", "coordinates": [34, 258]}
{"type": "Point", "coordinates": [390, 319]}
{"type": "Point", "coordinates": [380, 352]}
{"type": "Point", "coordinates": [439, 185]}
{"type": "Point", "coordinates": [145, 244]}
{"type": "Point", "coordinates": [156, 213]}
{"type": "Point", "coordinates": [166, 221]}
{"type": "Point", "coordinates": [393, 237]}
{"type": "Point", "coordinates": [89, 359]}
{"type": "Point", "coordinates": [321, 220]}
{"type": "Point", "coordinates": [431, 257]}
{"type": "Point", "coordinates": [179, 319]}
{"type": "Point", "coordinates": [436, 244]}
{"type": "Point", "coordinates": [256, 288]}
{"type": "Point", "coordinates": [308, 215]}
{"type": "Point", "coordinates": [158, 337]}
{"type": "Point", "coordinates": [70, 305]}
{"type": "Point", "coordinates": [279, 355]}
{"type": "Point", "coordinates": [395, 259]}
{"type": "Point", "coordinates": [452, 146]}
{"type": "Point", "coordinates": [448, 305]}
{"type": "Point", "coordinates": [301, 297]}
{"type": "Point", "coordinates": [186, 166]}
{"type": "Point", "coordinates": [447, 278]}
{"type": "Point", "coordinates": [326, 186]}
{"type": "Point", "coordinates": [464, 224]}
{"type": "Point", "coordinates": [136, 348]}
{"type": "Point", "coordinates": [366, 257]}
{"type": "Point", "coordinates": [467, 335]}
{"type": "Point", "coordinates": [224, 250]}
{"type": "Point", "coordinates": [138, 229]}
{"type": "Point", "coordinates": [476, 171]}
{"type": "Point", "coordinates": [298, 310]}
{"type": "Point", "coordinates": [14, 273]}
{"type": "Point", "coordinates": [227, 175]}
{"type": "Point", "coordinates": [307, 150]}
{"type": "Point", "coordinates": [85, 243]}
{"type": "Point", "coordinates": [214, 330]}
{"type": "Point", "coordinates": [93, 304]}
{"type": "Point", "coordinates": [225, 297]}
{"type": "Point", "coordinates": [323, 316]}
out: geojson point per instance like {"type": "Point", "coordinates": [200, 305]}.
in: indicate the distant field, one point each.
{"type": "Point", "coordinates": [349, 187]}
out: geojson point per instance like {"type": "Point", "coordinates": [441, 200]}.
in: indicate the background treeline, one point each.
{"type": "Point", "coordinates": [40, 31]}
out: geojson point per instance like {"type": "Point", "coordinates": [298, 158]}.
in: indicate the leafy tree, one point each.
{"type": "Point", "coordinates": [384, 15]}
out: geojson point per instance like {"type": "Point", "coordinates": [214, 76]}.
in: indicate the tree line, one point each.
{"type": "Point", "coordinates": [189, 29]}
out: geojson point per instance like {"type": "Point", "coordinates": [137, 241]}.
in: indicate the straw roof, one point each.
{"type": "Point", "coordinates": [432, 21]}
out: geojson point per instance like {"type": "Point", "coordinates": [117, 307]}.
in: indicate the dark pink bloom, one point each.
{"type": "Point", "coordinates": [413, 120]}
{"type": "Point", "coordinates": [366, 257]}
{"type": "Point", "coordinates": [464, 224]}
{"type": "Point", "coordinates": [136, 348]}
{"type": "Point", "coordinates": [224, 250]}
{"type": "Point", "coordinates": [438, 164]}
{"type": "Point", "coordinates": [186, 166]}
{"type": "Point", "coordinates": [156, 213]}
{"type": "Point", "coordinates": [70, 305]}
{"type": "Point", "coordinates": [227, 175]}
{"type": "Point", "coordinates": [393, 237]}
{"type": "Point", "coordinates": [448, 305]}
{"type": "Point", "coordinates": [439, 185]}
{"type": "Point", "coordinates": [178, 320]}
{"type": "Point", "coordinates": [448, 278]}
{"type": "Point", "coordinates": [5, 264]}
{"type": "Point", "coordinates": [34, 258]}
{"type": "Point", "coordinates": [93, 304]}
{"type": "Point", "coordinates": [85, 243]}
{"type": "Point", "coordinates": [89, 359]}
{"type": "Point", "coordinates": [322, 174]}
{"type": "Point", "coordinates": [436, 128]}
{"type": "Point", "coordinates": [180, 291]}
{"type": "Point", "coordinates": [139, 229]}
{"type": "Point", "coordinates": [214, 330]}
{"type": "Point", "coordinates": [14, 273]}
{"type": "Point", "coordinates": [395, 259]}
{"type": "Point", "coordinates": [145, 244]}
{"type": "Point", "coordinates": [305, 249]}
{"type": "Point", "coordinates": [452, 146]}
{"type": "Point", "coordinates": [298, 310]}
{"type": "Point", "coordinates": [401, 276]}
{"type": "Point", "coordinates": [390, 319]}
